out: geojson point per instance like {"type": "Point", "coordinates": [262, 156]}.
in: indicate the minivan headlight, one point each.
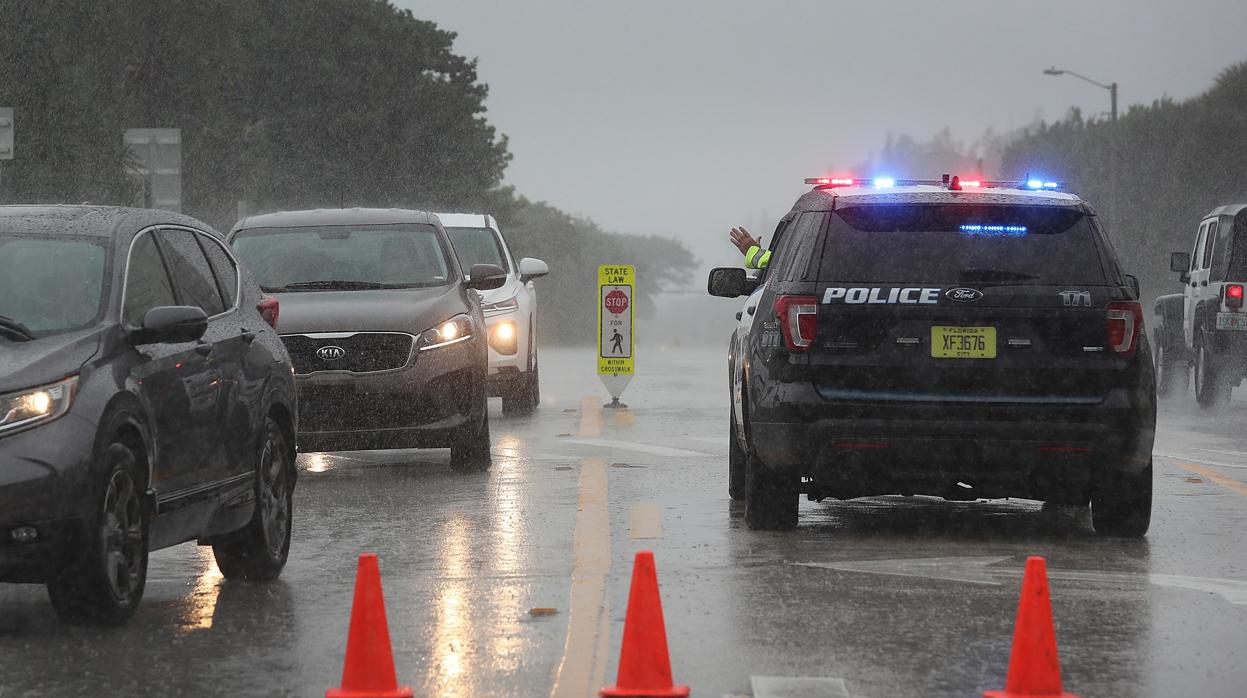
{"type": "Point", "coordinates": [33, 406]}
{"type": "Point", "coordinates": [453, 331]}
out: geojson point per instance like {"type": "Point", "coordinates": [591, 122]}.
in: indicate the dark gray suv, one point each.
{"type": "Point", "coordinates": [387, 337]}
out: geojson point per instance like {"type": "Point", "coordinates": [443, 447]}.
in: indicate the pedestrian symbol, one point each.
{"type": "Point", "coordinates": [616, 343]}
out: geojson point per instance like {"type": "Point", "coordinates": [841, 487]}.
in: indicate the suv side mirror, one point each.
{"type": "Point", "coordinates": [1180, 261]}
{"type": "Point", "coordinates": [531, 268]}
{"type": "Point", "coordinates": [727, 282]}
{"type": "Point", "coordinates": [171, 324]}
{"type": "Point", "coordinates": [486, 277]}
{"type": "Point", "coordinates": [1132, 281]}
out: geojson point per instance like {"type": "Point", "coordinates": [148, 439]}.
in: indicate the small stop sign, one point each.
{"type": "Point", "coordinates": [616, 302]}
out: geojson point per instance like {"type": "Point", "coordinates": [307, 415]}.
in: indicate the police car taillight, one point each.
{"type": "Point", "coordinates": [798, 318]}
{"type": "Point", "coordinates": [1234, 296]}
{"type": "Point", "coordinates": [1125, 322]}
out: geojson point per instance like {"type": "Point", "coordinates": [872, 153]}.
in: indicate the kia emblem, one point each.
{"type": "Point", "coordinates": [330, 353]}
{"type": "Point", "coordinates": [963, 295]}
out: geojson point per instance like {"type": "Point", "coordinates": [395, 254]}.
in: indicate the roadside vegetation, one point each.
{"type": "Point", "coordinates": [316, 103]}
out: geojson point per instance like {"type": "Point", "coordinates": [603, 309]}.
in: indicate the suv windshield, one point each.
{"type": "Point", "coordinates": [476, 246]}
{"type": "Point", "coordinates": [961, 244]}
{"type": "Point", "coordinates": [344, 257]}
{"type": "Point", "coordinates": [50, 284]}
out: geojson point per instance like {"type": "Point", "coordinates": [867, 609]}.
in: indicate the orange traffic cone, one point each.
{"type": "Point", "coordinates": [644, 667]}
{"type": "Point", "coordinates": [369, 668]}
{"type": "Point", "coordinates": [1034, 668]}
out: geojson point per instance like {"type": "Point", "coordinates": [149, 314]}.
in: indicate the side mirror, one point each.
{"type": "Point", "coordinates": [1133, 282]}
{"type": "Point", "coordinates": [171, 324]}
{"type": "Point", "coordinates": [531, 268]}
{"type": "Point", "coordinates": [726, 282]}
{"type": "Point", "coordinates": [486, 277]}
{"type": "Point", "coordinates": [1180, 261]}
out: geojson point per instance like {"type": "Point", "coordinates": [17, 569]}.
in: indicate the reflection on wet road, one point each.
{"type": "Point", "coordinates": [892, 595]}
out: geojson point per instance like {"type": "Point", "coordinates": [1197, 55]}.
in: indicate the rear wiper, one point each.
{"type": "Point", "coordinates": [16, 329]}
{"type": "Point", "coordinates": [994, 275]}
{"type": "Point", "coordinates": [331, 285]}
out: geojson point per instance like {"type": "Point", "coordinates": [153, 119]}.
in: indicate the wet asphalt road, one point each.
{"type": "Point", "coordinates": [878, 597]}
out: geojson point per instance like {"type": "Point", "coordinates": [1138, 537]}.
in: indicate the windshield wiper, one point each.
{"type": "Point", "coordinates": [330, 285]}
{"type": "Point", "coordinates": [16, 329]}
{"type": "Point", "coordinates": [994, 275]}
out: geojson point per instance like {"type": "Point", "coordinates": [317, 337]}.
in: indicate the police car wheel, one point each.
{"type": "Point", "coordinates": [735, 462]}
{"type": "Point", "coordinates": [1121, 506]}
{"type": "Point", "coordinates": [770, 497]}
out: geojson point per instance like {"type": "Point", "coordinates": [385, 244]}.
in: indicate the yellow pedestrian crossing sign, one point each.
{"type": "Point", "coordinates": [616, 342]}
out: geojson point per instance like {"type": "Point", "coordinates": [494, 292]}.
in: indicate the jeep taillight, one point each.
{"type": "Point", "coordinates": [1125, 322]}
{"type": "Point", "coordinates": [269, 310]}
{"type": "Point", "coordinates": [1234, 296]}
{"type": "Point", "coordinates": [798, 318]}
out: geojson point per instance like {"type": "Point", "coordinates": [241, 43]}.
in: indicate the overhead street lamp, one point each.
{"type": "Point", "coordinates": [1112, 148]}
{"type": "Point", "coordinates": [1111, 87]}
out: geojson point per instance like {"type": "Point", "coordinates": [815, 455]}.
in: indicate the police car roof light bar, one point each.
{"type": "Point", "coordinates": [950, 182]}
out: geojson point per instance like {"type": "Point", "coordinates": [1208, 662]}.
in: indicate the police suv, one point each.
{"type": "Point", "coordinates": [965, 339]}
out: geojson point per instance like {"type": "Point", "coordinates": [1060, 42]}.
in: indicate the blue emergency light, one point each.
{"type": "Point", "coordinates": [993, 230]}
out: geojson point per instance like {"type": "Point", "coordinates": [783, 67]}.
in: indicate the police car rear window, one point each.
{"type": "Point", "coordinates": [961, 243]}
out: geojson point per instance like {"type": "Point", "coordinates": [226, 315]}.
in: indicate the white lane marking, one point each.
{"type": "Point", "coordinates": [978, 570]}
{"type": "Point", "coordinates": [645, 521]}
{"type": "Point", "coordinates": [717, 440]}
{"type": "Point", "coordinates": [798, 687]}
{"type": "Point", "coordinates": [642, 448]}
{"type": "Point", "coordinates": [1205, 461]}
{"type": "Point", "coordinates": [1240, 454]}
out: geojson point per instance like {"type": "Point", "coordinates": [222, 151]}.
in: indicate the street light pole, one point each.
{"type": "Point", "coordinates": [1112, 146]}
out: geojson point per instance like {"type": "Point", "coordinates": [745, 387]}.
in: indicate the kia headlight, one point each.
{"type": "Point", "coordinates": [28, 408]}
{"type": "Point", "coordinates": [453, 331]}
{"type": "Point", "coordinates": [506, 306]}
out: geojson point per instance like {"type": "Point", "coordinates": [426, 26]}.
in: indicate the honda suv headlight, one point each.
{"type": "Point", "coordinates": [506, 306]}
{"type": "Point", "coordinates": [27, 408]}
{"type": "Point", "coordinates": [455, 330]}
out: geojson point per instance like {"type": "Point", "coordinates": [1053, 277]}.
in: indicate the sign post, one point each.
{"type": "Point", "coordinates": [616, 342]}
{"type": "Point", "coordinates": [6, 137]}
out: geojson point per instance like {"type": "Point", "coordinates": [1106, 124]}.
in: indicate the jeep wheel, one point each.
{"type": "Point", "coordinates": [104, 582]}
{"type": "Point", "coordinates": [1172, 376]}
{"type": "Point", "coordinates": [736, 474]}
{"type": "Point", "coordinates": [1211, 389]}
{"type": "Point", "coordinates": [1121, 505]}
{"type": "Point", "coordinates": [771, 497]}
{"type": "Point", "coordinates": [258, 551]}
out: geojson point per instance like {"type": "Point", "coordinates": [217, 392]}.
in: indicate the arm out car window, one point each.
{"type": "Point", "coordinates": [147, 283]}
{"type": "Point", "coordinates": [223, 268]}
{"type": "Point", "coordinates": [191, 272]}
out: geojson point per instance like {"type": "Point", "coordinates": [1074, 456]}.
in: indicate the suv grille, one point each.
{"type": "Point", "coordinates": [362, 352]}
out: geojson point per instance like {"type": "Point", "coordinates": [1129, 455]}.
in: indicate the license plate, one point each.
{"type": "Point", "coordinates": [963, 342]}
{"type": "Point", "coordinates": [1231, 321]}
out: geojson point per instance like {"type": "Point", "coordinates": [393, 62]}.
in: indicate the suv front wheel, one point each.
{"type": "Point", "coordinates": [104, 581]}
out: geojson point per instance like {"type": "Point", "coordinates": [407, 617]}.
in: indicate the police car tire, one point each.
{"type": "Point", "coordinates": [1211, 389]}
{"type": "Point", "coordinates": [1172, 376]}
{"type": "Point", "coordinates": [770, 497]}
{"type": "Point", "coordinates": [1122, 505]}
{"type": "Point", "coordinates": [736, 474]}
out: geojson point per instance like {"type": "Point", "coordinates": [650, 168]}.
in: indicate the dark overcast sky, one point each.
{"type": "Point", "coordinates": [682, 117]}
